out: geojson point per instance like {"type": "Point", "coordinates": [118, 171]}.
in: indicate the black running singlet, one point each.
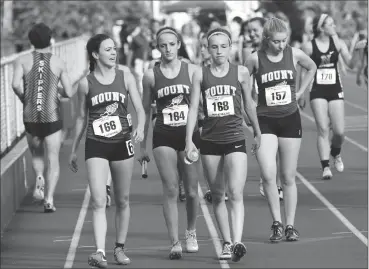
{"type": "Point", "coordinates": [172, 99]}
{"type": "Point", "coordinates": [107, 109]}
{"type": "Point", "coordinates": [327, 77]}
{"type": "Point", "coordinates": [276, 85]}
{"type": "Point", "coordinates": [222, 104]}
{"type": "Point", "coordinates": [41, 100]}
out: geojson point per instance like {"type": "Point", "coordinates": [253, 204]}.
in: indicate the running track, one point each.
{"type": "Point", "coordinates": [331, 215]}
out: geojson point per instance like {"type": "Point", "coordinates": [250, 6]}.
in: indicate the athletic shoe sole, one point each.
{"type": "Point", "coordinates": [239, 251]}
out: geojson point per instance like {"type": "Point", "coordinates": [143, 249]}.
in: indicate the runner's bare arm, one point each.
{"type": "Point", "coordinates": [81, 120]}
{"type": "Point", "coordinates": [305, 62]}
{"type": "Point", "coordinates": [17, 79]}
{"type": "Point", "coordinates": [148, 82]}
{"type": "Point", "coordinates": [67, 90]}
{"type": "Point", "coordinates": [249, 105]}
{"type": "Point", "coordinates": [135, 96]}
{"type": "Point", "coordinates": [194, 104]}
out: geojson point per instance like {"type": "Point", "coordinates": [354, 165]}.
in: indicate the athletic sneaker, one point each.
{"type": "Point", "coordinates": [261, 189]}
{"type": "Point", "coordinates": [176, 251]}
{"type": "Point", "coordinates": [238, 251]}
{"type": "Point", "coordinates": [277, 234]}
{"type": "Point", "coordinates": [49, 208]}
{"type": "Point", "coordinates": [98, 260]}
{"type": "Point", "coordinates": [191, 242]}
{"type": "Point", "coordinates": [39, 191]}
{"type": "Point", "coordinates": [338, 163]}
{"type": "Point", "coordinates": [226, 252]}
{"type": "Point", "coordinates": [280, 193]}
{"type": "Point", "coordinates": [327, 173]}
{"type": "Point", "coordinates": [182, 193]}
{"type": "Point", "coordinates": [291, 233]}
{"type": "Point", "coordinates": [120, 257]}
{"type": "Point", "coordinates": [208, 197]}
{"type": "Point", "coordinates": [108, 197]}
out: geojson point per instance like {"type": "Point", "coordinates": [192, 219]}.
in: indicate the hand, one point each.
{"type": "Point", "coordinates": [190, 146]}
{"type": "Point", "coordinates": [255, 147]}
{"type": "Point", "coordinates": [331, 31]}
{"type": "Point", "coordinates": [138, 135]}
{"type": "Point", "coordinates": [73, 163]}
{"type": "Point", "coordinates": [302, 103]}
{"type": "Point", "coordinates": [144, 156]}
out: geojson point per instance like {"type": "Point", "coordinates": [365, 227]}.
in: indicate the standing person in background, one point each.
{"type": "Point", "coordinates": [244, 45]}
{"type": "Point", "coordinates": [326, 95]}
{"type": "Point", "coordinates": [189, 40]}
{"type": "Point", "coordinates": [41, 71]}
{"type": "Point", "coordinates": [140, 51]}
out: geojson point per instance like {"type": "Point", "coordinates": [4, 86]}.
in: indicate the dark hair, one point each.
{"type": "Point", "coordinates": [243, 26]}
{"type": "Point", "coordinates": [315, 22]}
{"type": "Point", "coordinates": [167, 28]}
{"type": "Point", "coordinates": [182, 51]}
{"type": "Point", "coordinates": [93, 45]}
{"type": "Point", "coordinates": [258, 19]}
{"type": "Point", "coordinates": [220, 30]}
{"type": "Point", "coordinates": [237, 19]}
{"type": "Point", "coordinates": [40, 36]}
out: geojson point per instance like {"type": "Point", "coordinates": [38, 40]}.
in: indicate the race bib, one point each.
{"type": "Point", "coordinates": [176, 115]}
{"type": "Point", "coordinates": [108, 126]}
{"type": "Point", "coordinates": [326, 76]}
{"type": "Point", "coordinates": [219, 106]}
{"type": "Point", "coordinates": [278, 95]}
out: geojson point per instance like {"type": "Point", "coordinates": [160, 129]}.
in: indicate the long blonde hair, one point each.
{"type": "Point", "coordinates": [272, 26]}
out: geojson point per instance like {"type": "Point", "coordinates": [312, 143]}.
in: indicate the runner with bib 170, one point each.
{"type": "Point", "coordinates": [326, 96]}
{"type": "Point", "coordinates": [223, 87]}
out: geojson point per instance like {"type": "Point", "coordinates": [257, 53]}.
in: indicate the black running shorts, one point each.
{"type": "Point", "coordinates": [43, 129]}
{"type": "Point", "coordinates": [329, 95]}
{"type": "Point", "coordinates": [110, 151]}
{"type": "Point", "coordinates": [212, 148]}
{"type": "Point", "coordinates": [177, 140]}
{"type": "Point", "coordinates": [288, 126]}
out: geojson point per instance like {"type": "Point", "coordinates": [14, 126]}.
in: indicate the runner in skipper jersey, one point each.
{"type": "Point", "coordinates": [170, 85]}
{"type": "Point", "coordinates": [103, 99]}
{"type": "Point", "coordinates": [326, 96]}
{"type": "Point", "coordinates": [41, 72]}
{"type": "Point", "coordinates": [274, 68]}
{"type": "Point", "coordinates": [223, 86]}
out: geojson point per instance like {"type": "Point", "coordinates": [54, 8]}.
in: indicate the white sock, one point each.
{"type": "Point", "coordinates": [101, 250]}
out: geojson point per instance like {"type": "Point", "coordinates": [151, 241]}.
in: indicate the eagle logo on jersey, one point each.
{"type": "Point", "coordinates": [110, 109]}
{"type": "Point", "coordinates": [176, 101]}
{"type": "Point", "coordinates": [326, 59]}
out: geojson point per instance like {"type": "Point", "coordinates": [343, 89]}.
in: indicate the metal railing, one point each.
{"type": "Point", "coordinates": [71, 51]}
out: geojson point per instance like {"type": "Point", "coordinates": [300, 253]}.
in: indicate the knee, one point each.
{"type": "Point", "coordinates": [192, 193]}
{"type": "Point", "coordinates": [288, 178]}
{"type": "Point", "coordinates": [235, 195]}
{"type": "Point", "coordinates": [122, 202]}
{"type": "Point", "coordinates": [99, 203]}
{"type": "Point", "coordinates": [323, 131]}
{"type": "Point", "coordinates": [217, 196]}
{"type": "Point", "coordinates": [171, 192]}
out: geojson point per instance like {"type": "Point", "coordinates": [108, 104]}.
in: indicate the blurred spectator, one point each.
{"type": "Point", "coordinates": [190, 41]}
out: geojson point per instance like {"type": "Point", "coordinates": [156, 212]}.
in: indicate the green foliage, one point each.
{"type": "Point", "coordinates": [73, 18]}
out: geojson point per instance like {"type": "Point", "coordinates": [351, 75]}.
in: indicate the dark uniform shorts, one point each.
{"type": "Point", "coordinates": [176, 140]}
{"type": "Point", "coordinates": [213, 148]}
{"type": "Point", "coordinates": [288, 126]}
{"type": "Point", "coordinates": [43, 129]}
{"type": "Point", "coordinates": [117, 151]}
{"type": "Point", "coordinates": [329, 95]}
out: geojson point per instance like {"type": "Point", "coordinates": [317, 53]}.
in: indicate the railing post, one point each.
{"type": "Point", "coordinates": [7, 113]}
